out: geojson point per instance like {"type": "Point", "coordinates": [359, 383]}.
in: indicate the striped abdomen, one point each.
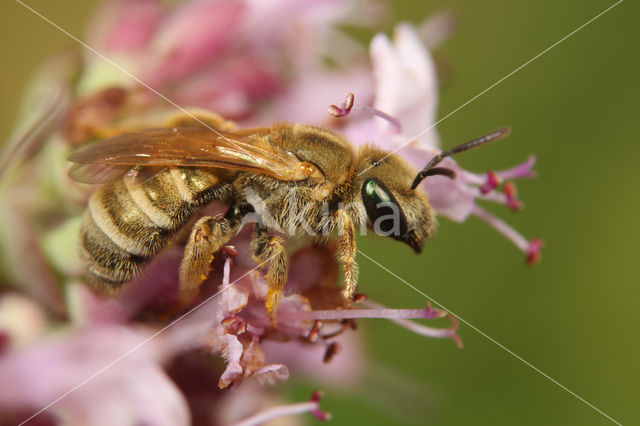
{"type": "Point", "coordinates": [126, 223]}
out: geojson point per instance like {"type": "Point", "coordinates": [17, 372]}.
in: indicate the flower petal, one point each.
{"type": "Point", "coordinates": [272, 374]}
{"type": "Point", "coordinates": [124, 25]}
{"type": "Point", "coordinates": [193, 35]}
{"type": "Point", "coordinates": [406, 83]}
{"type": "Point", "coordinates": [132, 390]}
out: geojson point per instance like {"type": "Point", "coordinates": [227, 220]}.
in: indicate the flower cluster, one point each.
{"type": "Point", "coordinates": [86, 359]}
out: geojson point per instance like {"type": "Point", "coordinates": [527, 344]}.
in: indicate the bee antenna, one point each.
{"type": "Point", "coordinates": [431, 170]}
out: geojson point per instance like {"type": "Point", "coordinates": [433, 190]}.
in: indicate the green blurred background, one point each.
{"type": "Point", "coordinates": [574, 315]}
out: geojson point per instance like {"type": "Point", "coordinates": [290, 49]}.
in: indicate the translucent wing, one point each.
{"type": "Point", "coordinates": [155, 149]}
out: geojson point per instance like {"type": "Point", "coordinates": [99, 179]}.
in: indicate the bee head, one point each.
{"type": "Point", "coordinates": [393, 204]}
{"type": "Point", "coordinates": [392, 208]}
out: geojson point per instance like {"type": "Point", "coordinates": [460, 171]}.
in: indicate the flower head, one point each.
{"type": "Point", "coordinates": [139, 359]}
{"type": "Point", "coordinates": [406, 91]}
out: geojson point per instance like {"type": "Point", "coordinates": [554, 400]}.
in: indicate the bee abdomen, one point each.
{"type": "Point", "coordinates": [127, 223]}
{"type": "Point", "coordinates": [107, 264]}
{"type": "Point", "coordinates": [120, 218]}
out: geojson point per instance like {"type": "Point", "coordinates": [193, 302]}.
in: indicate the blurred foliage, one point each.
{"type": "Point", "coordinates": [573, 315]}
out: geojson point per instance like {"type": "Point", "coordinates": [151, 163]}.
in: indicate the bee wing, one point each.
{"type": "Point", "coordinates": [156, 149]}
{"type": "Point", "coordinates": [97, 173]}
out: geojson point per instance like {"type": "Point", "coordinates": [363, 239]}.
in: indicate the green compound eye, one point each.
{"type": "Point", "coordinates": [376, 191]}
{"type": "Point", "coordinates": [379, 203]}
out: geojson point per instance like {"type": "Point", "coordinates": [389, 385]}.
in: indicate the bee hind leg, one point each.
{"type": "Point", "coordinates": [270, 250]}
{"type": "Point", "coordinates": [208, 235]}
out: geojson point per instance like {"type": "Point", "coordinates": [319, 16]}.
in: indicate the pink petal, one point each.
{"type": "Point", "coordinates": [231, 87]}
{"type": "Point", "coordinates": [275, 414]}
{"type": "Point", "coordinates": [295, 29]}
{"type": "Point", "coordinates": [450, 197]}
{"type": "Point", "coordinates": [307, 98]}
{"type": "Point", "coordinates": [231, 351]}
{"type": "Point", "coordinates": [193, 35]}
{"type": "Point", "coordinates": [346, 369]}
{"type": "Point", "coordinates": [125, 25]}
{"type": "Point", "coordinates": [272, 374]}
{"type": "Point", "coordinates": [233, 297]}
{"type": "Point", "coordinates": [310, 266]}
{"type": "Point", "coordinates": [406, 82]}
{"type": "Point", "coordinates": [437, 28]}
{"type": "Point", "coordinates": [133, 390]}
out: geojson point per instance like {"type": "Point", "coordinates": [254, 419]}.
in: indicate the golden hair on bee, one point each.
{"type": "Point", "coordinates": [294, 179]}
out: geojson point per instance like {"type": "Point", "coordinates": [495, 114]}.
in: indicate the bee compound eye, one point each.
{"type": "Point", "coordinates": [383, 210]}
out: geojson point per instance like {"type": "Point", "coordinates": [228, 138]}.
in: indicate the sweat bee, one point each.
{"type": "Point", "coordinates": [295, 177]}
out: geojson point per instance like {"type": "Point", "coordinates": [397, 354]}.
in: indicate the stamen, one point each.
{"type": "Point", "coordinates": [423, 330]}
{"type": "Point", "coordinates": [315, 331]}
{"type": "Point", "coordinates": [332, 350]}
{"type": "Point", "coordinates": [530, 248]}
{"type": "Point", "coordinates": [500, 226]}
{"type": "Point", "coordinates": [340, 314]}
{"type": "Point", "coordinates": [226, 273]}
{"type": "Point", "coordinates": [492, 182]}
{"type": "Point", "coordinates": [395, 123]}
{"type": "Point", "coordinates": [317, 413]}
{"type": "Point", "coordinates": [375, 310]}
{"type": "Point", "coordinates": [533, 252]}
{"type": "Point", "coordinates": [519, 171]}
{"type": "Point", "coordinates": [359, 297]}
{"type": "Point", "coordinates": [229, 251]}
{"type": "Point", "coordinates": [348, 104]}
{"type": "Point", "coordinates": [509, 189]}
{"type": "Point", "coordinates": [234, 325]}
{"type": "Point", "coordinates": [345, 109]}
{"type": "Point", "coordinates": [312, 407]}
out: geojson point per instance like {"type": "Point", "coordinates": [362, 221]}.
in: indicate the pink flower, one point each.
{"type": "Point", "coordinates": [225, 56]}
{"type": "Point", "coordinates": [132, 391]}
{"type": "Point", "coordinates": [254, 62]}
{"type": "Point", "coordinates": [406, 90]}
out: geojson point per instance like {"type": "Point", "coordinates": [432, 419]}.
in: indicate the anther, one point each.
{"type": "Point", "coordinates": [228, 252]}
{"type": "Point", "coordinates": [359, 297]}
{"type": "Point", "coordinates": [347, 324]}
{"type": "Point", "coordinates": [317, 413]}
{"type": "Point", "coordinates": [332, 350]}
{"type": "Point", "coordinates": [315, 331]}
{"type": "Point", "coordinates": [533, 251]}
{"type": "Point", "coordinates": [492, 182]}
{"type": "Point", "coordinates": [348, 104]}
{"type": "Point", "coordinates": [509, 189]}
{"type": "Point", "coordinates": [234, 325]}
{"type": "Point", "coordinates": [344, 109]}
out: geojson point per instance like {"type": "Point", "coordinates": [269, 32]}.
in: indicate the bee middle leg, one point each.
{"type": "Point", "coordinates": [347, 255]}
{"type": "Point", "coordinates": [269, 250]}
{"type": "Point", "coordinates": [208, 235]}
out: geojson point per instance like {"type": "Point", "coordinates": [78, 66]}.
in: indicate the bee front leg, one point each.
{"type": "Point", "coordinates": [269, 250]}
{"type": "Point", "coordinates": [209, 234]}
{"type": "Point", "coordinates": [347, 254]}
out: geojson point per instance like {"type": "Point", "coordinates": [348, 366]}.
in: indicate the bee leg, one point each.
{"type": "Point", "coordinates": [347, 254]}
{"type": "Point", "coordinates": [208, 235]}
{"type": "Point", "coordinates": [270, 250]}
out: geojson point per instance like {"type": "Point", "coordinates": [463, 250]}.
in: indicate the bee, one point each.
{"type": "Point", "coordinates": [296, 177]}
